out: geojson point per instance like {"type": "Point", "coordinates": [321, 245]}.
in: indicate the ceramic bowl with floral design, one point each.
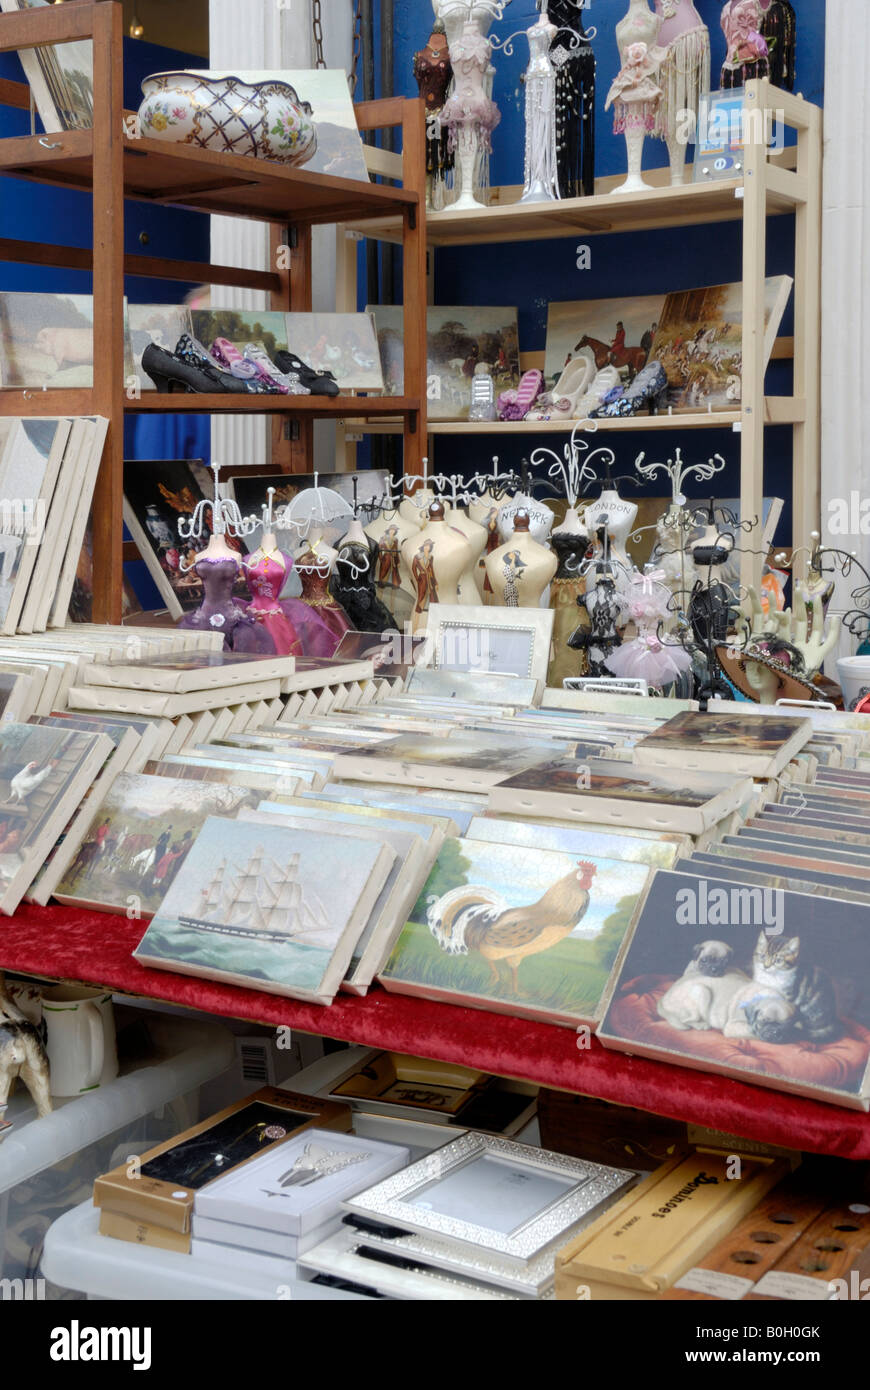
{"type": "Point", "coordinates": [265, 120]}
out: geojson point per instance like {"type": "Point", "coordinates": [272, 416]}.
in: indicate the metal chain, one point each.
{"type": "Point", "coordinates": [317, 30]}
{"type": "Point", "coordinates": [356, 45]}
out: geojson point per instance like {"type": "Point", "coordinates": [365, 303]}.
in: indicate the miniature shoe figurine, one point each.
{"type": "Point", "coordinates": [228, 358]}
{"type": "Point", "coordinates": [648, 389]}
{"type": "Point", "coordinates": [318, 383]}
{"type": "Point", "coordinates": [605, 380]}
{"type": "Point", "coordinates": [515, 405]}
{"type": "Point", "coordinates": [287, 382]}
{"type": "Point", "coordinates": [187, 371]}
{"type": "Point", "coordinates": [572, 384]}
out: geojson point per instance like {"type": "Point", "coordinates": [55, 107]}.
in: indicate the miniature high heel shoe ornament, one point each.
{"type": "Point", "coordinates": [561, 402]}
{"type": "Point", "coordinates": [515, 405]}
{"type": "Point", "coordinates": [648, 389]}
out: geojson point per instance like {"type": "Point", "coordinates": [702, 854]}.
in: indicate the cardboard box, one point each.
{"type": "Point", "coordinates": [643, 1244]}
{"type": "Point", "coordinates": [159, 1189]}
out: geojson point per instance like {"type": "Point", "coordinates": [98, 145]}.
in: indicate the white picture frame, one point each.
{"type": "Point", "coordinates": [524, 1199]}
{"type": "Point", "coordinates": [503, 641]}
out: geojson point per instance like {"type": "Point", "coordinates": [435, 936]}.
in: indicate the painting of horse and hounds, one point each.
{"type": "Point", "coordinates": [461, 342]}
{"type": "Point", "coordinates": [699, 342]}
{"type": "Point", "coordinates": [619, 333]}
{"type": "Point", "coordinates": [140, 837]}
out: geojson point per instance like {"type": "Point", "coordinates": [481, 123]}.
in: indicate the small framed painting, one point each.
{"type": "Point", "coordinates": [508, 641]}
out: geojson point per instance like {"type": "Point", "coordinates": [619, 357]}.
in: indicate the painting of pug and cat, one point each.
{"type": "Point", "coordinates": [754, 983]}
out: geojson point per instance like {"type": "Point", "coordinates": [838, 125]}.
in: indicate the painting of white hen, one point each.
{"type": "Point", "coordinates": [533, 933]}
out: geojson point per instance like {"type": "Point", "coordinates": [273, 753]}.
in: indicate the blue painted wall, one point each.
{"type": "Point", "coordinates": [531, 276]}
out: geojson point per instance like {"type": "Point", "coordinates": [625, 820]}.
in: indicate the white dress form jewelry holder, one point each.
{"type": "Point", "coordinates": [437, 557]}
{"type": "Point", "coordinates": [635, 93]}
{"type": "Point", "coordinates": [684, 76]}
{"type": "Point", "coordinates": [520, 570]}
{"type": "Point", "coordinates": [389, 531]}
{"type": "Point", "coordinates": [674, 526]}
{"type": "Point", "coordinates": [225, 518]}
{"type": "Point", "coordinates": [469, 113]}
{"type": "Point", "coordinates": [541, 178]}
{"type": "Point", "coordinates": [470, 582]}
{"type": "Point", "coordinates": [617, 517]}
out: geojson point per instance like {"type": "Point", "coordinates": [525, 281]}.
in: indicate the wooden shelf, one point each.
{"type": "Point", "coordinates": [722, 419]}
{"type": "Point", "coordinates": [318, 407]}
{"type": "Point", "coordinates": [185, 176]}
{"type": "Point", "coordinates": [603, 214]}
{"type": "Point", "coordinates": [95, 949]}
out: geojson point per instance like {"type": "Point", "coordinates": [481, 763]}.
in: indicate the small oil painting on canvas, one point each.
{"type": "Point", "coordinates": [46, 340]}
{"type": "Point", "coordinates": [699, 342]}
{"type": "Point", "coordinates": [261, 903]}
{"type": "Point", "coordinates": [140, 836]}
{"type": "Point", "coordinates": [619, 332]}
{"type": "Point", "coordinates": [344, 344]}
{"type": "Point", "coordinates": [752, 982]}
{"type": "Point", "coordinates": [267, 327]}
{"type": "Point", "coordinates": [460, 341]}
{"type": "Point", "coordinates": [159, 496]}
{"type": "Point", "coordinates": [160, 324]}
{"type": "Point", "coordinates": [530, 932]}
{"type": "Point", "coordinates": [38, 766]}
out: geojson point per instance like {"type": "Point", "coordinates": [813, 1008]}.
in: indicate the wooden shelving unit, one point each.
{"type": "Point", "coordinates": [788, 183]}
{"type": "Point", "coordinates": [113, 165]}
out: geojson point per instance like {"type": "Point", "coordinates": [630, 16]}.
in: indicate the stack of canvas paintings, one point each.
{"type": "Point", "coordinates": [48, 470]}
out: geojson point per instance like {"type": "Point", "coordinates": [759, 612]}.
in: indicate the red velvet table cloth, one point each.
{"type": "Point", "coordinates": [62, 943]}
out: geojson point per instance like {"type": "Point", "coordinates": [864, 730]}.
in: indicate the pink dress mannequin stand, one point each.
{"type": "Point", "coordinates": [469, 114]}
{"type": "Point", "coordinates": [635, 93]}
{"type": "Point", "coordinates": [684, 76]}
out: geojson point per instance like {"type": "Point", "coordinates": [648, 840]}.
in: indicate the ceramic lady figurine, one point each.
{"type": "Point", "coordinates": [521, 569]}
{"type": "Point", "coordinates": [353, 582]}
{"type": "Point", "coordinates": [433, 72]}
{"type": "Point", "coordinates": [684, 76]}
{"type": "Point", "coordinates": [746, 51]}
{"type": "Point", "coordinates": [541, 173]}
{"type": "Point", "coordinates": [219, 567]}
{"type": "Point", "coordinates": [635, 92]}
{"type": "Point", "coordinates": [22, 1054]}
{"type": "Point", "coordinates": [572, 56]}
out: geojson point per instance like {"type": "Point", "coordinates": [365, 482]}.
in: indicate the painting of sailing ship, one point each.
{"type": "Point", "coordinates": [262, 903]}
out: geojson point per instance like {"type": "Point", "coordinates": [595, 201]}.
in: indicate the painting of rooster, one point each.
{"type": "Point", "coordinates": [478, 919]}
{"type": "Point", "coordinates": [524, 931]}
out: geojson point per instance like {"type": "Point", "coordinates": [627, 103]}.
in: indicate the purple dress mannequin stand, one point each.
{"type": "Point", "coordinates": [220, 612]}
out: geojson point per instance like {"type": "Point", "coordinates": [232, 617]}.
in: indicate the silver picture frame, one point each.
{"type": "Point", "coordinates": [493, 641]}
{"type": "Point", "coordinates": [533, 1197]}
